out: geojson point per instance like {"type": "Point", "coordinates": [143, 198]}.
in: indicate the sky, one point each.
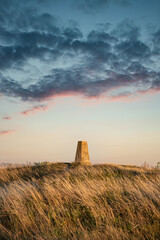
{"type": "Point", "coordinates": [80, 70]}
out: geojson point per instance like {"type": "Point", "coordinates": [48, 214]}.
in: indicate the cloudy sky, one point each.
{"type": "Point", "coordinates": [80, 70]}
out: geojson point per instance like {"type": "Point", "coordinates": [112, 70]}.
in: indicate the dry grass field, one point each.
{"type": "Point", "coordinates": [66, 201]}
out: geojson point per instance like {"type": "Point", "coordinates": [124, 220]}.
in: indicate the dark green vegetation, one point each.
{"type": "Point", "coordinates": [68, 201]}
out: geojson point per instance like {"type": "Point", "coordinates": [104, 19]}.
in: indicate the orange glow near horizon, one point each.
{"type": "Point", "coordinates": [116, 133]}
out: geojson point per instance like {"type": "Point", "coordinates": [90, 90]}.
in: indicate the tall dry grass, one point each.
{"type": "Point", "coordinates": [60, 201]}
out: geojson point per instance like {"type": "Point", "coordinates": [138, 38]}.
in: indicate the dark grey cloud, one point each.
{"type": "Point", "coordinates": [156, 82]}
{"type": "Point", "coordinates": [33, 40]}
{"type": "Point", "coordinates": [127, 30]}
{"type": "Point", "coordinates": [156, 42]}
{"type": "Point", "coordinates": [90, 6]}
{"type": "Point", "coordinates": [133, 50]}
{"type": "Point", "coordinates": [156, 37]}
{"type": "Point", "coordinates": [89, 65]}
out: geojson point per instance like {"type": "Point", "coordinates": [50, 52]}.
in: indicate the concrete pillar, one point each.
{"type": "Point", "coordinates": [82, 155]}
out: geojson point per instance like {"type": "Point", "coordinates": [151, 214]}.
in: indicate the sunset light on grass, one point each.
{"type": "Point", "coordinates": [72, 70]}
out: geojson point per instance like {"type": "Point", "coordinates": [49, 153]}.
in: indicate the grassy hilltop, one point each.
{"type": "Point", "coordinates": [65, 201]}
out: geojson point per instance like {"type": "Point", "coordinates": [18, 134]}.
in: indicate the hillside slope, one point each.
{"type": "Point", "coordinates": [66, 201]}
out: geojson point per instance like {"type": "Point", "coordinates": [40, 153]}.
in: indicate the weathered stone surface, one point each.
{"type": "Point", "coordinates": [82, 155]}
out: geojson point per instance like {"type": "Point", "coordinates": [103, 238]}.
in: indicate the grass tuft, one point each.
{"type": "Point", "coordinates": [69, 201]}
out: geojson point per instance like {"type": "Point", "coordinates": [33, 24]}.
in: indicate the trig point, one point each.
{"type": "Point", "coordinates": [82, 155]}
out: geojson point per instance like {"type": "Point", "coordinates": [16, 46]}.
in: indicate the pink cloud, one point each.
{"type": "Point", "coordinates": [35, 109]}
{"type": "Point", "coordinates": [63, 95]}
{"type": "Point", "coordinates": [6, 118]}
{"type": "Point", "coordinates": [133, 96]}
{"type": "Point", "coordinates": [150, 91]}
{"type": "Point", "coordinates": [122, 98]}
{"type": "Point", "coordinates": [4, 132]}
{"type": "Point", "coordinates": [126, 97]}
